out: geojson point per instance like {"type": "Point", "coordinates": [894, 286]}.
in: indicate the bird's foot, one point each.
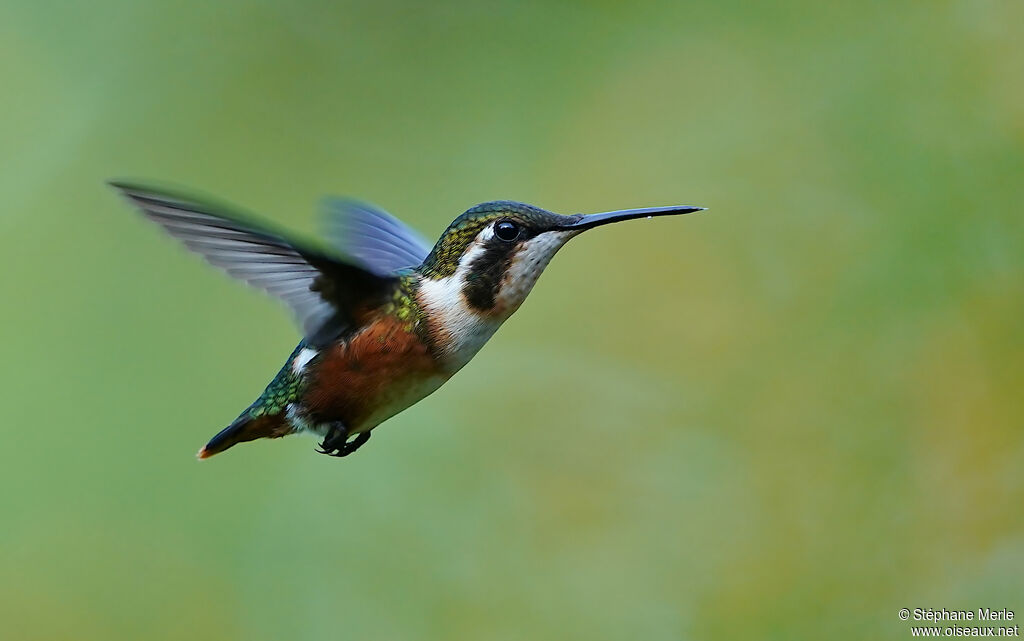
{"type": "Point", "coordinates": [336, 442]}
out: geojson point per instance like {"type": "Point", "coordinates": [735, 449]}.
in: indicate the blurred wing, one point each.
{"type": "Point", "coordinates": [320, 290]}
{"type": "Point", "coordinates": [375, 238]}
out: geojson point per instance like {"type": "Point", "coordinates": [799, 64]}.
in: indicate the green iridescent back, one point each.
{"type": "Point", "coordinates": [284, 389]}
{"type": "Point", "coordinates": [403, 301]}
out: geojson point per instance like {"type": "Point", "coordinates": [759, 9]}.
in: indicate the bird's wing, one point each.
{"type": "Point", "coordinates": [373, 237]}
{"type": "Point", "coordinates": [321, 290]}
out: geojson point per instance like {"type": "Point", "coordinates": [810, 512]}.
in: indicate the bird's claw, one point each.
{"type": "Point", "coordinates": [336, 442]}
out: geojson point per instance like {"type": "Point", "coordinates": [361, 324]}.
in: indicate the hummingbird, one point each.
{"type": "Point", "coordinates": [386, 318]}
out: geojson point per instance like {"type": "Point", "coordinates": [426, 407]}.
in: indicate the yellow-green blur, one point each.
{"type": "Point", "coordinates": [783, 418]}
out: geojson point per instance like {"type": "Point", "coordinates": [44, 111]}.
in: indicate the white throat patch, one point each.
{"type": "Point", "coordinates": [526, 267]}
{"type": "Point", "coordinates": [460, 330]}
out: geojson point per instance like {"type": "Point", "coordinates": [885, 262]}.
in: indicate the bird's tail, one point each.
{"type": "Point", "coordinates": [265, 418]}
{"type": "Point", "coordinates": [246, 428]}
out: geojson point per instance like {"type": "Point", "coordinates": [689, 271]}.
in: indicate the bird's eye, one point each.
{"type": "Point", "coordinates": [506, 230]}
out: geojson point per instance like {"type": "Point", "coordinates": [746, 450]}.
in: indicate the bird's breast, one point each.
{"type": "Point", "coordinates": [379, 371]}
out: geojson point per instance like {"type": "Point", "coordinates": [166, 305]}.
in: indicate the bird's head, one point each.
{"type": "Point", "coordinates": [493, 253]}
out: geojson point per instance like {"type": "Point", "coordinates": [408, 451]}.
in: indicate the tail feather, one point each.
{"type": "Point", "coordinates": [246, 428]}
{"type": "Point", "coordinates": [265, 418]}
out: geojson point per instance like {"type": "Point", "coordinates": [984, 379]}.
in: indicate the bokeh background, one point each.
{"type": "Point", "coordinates": [787, 417]}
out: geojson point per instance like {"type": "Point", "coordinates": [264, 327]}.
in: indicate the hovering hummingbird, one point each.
{"type": "Point", "coordinates": [386, 319]}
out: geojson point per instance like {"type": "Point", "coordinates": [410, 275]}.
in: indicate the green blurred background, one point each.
{"type": "Point", "coordinates": [784, 418]}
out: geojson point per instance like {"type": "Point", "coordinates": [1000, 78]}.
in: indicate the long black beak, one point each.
{"type": "Point", "coordinates": [588, 221]}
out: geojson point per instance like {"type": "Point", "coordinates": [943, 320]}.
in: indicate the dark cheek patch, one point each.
{"type": "Point", "coordinates": [485, 273]}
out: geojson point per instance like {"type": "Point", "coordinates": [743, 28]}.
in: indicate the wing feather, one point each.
{"type": "Point", "coordinates": [264, 259]}
{"type": "Point", "coordinates": [372, 236]}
